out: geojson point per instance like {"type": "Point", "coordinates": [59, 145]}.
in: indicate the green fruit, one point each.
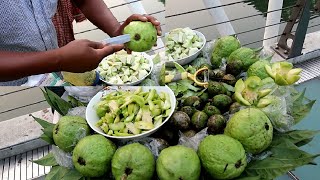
{"type": "Point", "coordinates": [258, 69]}
{"type": "Point", "coordinates": [199, 120]}
{"type": "Point", "coordinates": [216, 74]}
{"type": "Point", "coordinates": [133, 162]}
{"type": "Point", "coordinates": [188, 110]}
{"type": "Point", "coordinates": [215, 88]}
{"type": "Point", "coordinates": [223, 47]}
{"type": "Point", "coordinates": [252, 128]}
{"type": "Point", "coordinates": [68, 131]}
{"type": "Point", "coordinates": [193, 101]}
{"type": "Point", "coordinates": [222, 156]}
{"type": "Point", "coordinates": [235, 107]}
{"type": "Point", "coordinates": [211, 110]}
{"type": "Point", "coordinates": [143, 35]}
{"type": "Point", "coordinates": [178, 163]}
{"type": "Point", "coordinates": [246, 55]}
{"type": "Point", "coordinates": [222, 101]}
{"type": "Point", "coordinates": [189, 133]}
{"type": "Point", "coordinates": [180, 120]}
{"type": "Point", "coordinates": [204, 97]}
{"type": "Point", "coordinates": [229, 79]}
{"type": "Point", "coordinates": [216, 124]}
{"type": "Point", "coordinates": [92, 156]}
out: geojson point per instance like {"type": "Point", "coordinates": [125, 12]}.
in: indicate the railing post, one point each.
{"type": "Point", "coordinates": [136, 7]}
{"type": "Point", "coordinates": [219, 15]}
{"type": "Point", "coordinates": [272, 30]}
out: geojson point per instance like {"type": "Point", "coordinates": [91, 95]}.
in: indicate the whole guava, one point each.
{"type": "Point", "coordinates": [178, 163]}
{"type": "Point", "coordinates": [68, 131]}
{"type": "Point", "coordinates": [133, 162]}
{"type": "Point", "coordinates": [143, 36]}
{"type": "Point", "coordinates": [258, 69]}
{"type": "Point", "coordinates": [222, 156]}
{"type": "Point", "coordinates": [92, 155]}
{"type": "Point", "coordinates": [223, 47]}
{"type": "Point", "coordinates": [252, 128]}
{"type": "Point", "coordinates": [240, 60]}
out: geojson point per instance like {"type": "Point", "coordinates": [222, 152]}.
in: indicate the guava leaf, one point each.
{"type": "Point", "coordinates": [47, 130]}
{"type": "Point", "coordinates": [298, 137]}
{"type": "Point", "coordinates": [47, 139]}
{"type": "Point", "coordinates": [188, 85]}
{"type": "Point", "coordinates": [72, 174]}
{"type": "Point", "coordinates": [44, 124]}
{"type": "Point", "coordinates": [249, 178]}
{"type": "Point", "coordinates": [57, 173]}
{"type": "Point", "coordinates": [56, 102]}
{"type": "Point", "coordinates": [285, 157]}
{"type": "Point", "coordinates": [228, 87]}
{"type": "Point", "coordinates": [156, 59]}
{"type": "Point", "coordinates": [47, 160]}
{"type": "Point", "coordinates": [179, 67]}
{"type": "Point", "coordinates": [75, 103]}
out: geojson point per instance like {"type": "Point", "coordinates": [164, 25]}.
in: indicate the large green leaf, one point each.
{"type": "Point", "coordinates": [56, 102]}
{"type": "Point", "coordinates": [57, 173]}
{"type": "Point", "coordinates": [47, 160]}
{"type": "Point", "coordinates": [285, 157]}
{"type": "Point", "coordinates": [43, 123]}
{"type": "Point", "coordinates": [47, 130]}
{"type": "Point", "coordinates": [296, 137]}
{"type": "Point", "coordinates": [72, 174]}
{"type": "Point", "coordinates": [47, 139]}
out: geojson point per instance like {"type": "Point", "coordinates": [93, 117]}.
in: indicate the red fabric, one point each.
{"type": "Point", "coordinates": [66, 13]}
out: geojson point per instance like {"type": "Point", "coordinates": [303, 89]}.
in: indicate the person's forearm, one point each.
{"type": "Point", "coordinates": [97, 12]}
{"type": "Point", "coordinates": [15, 65]}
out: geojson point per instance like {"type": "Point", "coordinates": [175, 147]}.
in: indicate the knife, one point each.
{"type": "Point", "coordinates": [117, 40]}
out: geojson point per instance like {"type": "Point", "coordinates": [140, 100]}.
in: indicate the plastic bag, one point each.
{"type": "Point", "coordinates": [77, 111]}
{"type": "Point", "coordinates": [83, 94]}
{"type": "Point", "coordinates": [63, 159]}
{"type": "Point", "coordinates": [194, 141]}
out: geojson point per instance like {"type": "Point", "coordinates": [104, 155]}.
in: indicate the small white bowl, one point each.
{"type": "Point", "coordinates": [92, 117]}
{"type": "Point", "coordinates": [189, 59]}
{"type": "Point", "coordinates": [149, 58]}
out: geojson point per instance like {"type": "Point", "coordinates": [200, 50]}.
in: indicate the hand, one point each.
{"type": "Point", "coordinates": [83, 55]}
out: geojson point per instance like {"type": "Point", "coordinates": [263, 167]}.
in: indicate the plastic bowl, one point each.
{"type": "Point", "coordinates": [189, 59]}
{"type": "Point", "coordinates": [92, 117]}
{"type": "Point", "coordinates": [149, 58]}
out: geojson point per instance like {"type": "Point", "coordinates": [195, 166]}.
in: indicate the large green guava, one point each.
{"type": "Point", "coordinates": [143, 36]}
{"type": "Point", "coordinates": [92, 155]}
{"type": "Point", "coordinates": [178, 163]}
{"type": "Point", "coordinates": [223, 47]}
{"type": "Point", "coordinates": [258, 69]}
{"type": "Point", "coordinates": [133, 162]}
{"type": "Point", "coordinates": [222, 156]}
{"type": "Point", "coordinates": [252, 128]}
{"type": "Point", "coordinates": [240, 60]}
{"type": "Point", "coordinates": [68, 131]}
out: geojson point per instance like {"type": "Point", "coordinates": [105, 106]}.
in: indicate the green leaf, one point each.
{"type": "Point", "coordinates": [57, 173]}
{"type": "Point", "coordinates": [249, 178]}
{"type": "Point", "coordinates": [47, 129]}
{"type": "Point", "coordinates": [188, 85]}
{"type": "Point", "coordinates": [295, 136]}
{"type": "Point", "coordinates": [47, 160]}
{"type": "Point", "coordinates": [56, 102]}
{"type": "Point", "coordinates": [72, 174]}
{"type": "Point", "coordinates": [228, 87]}
{"type": "Point", "coordinates": [47, 139]}
{"type": "Point", "coordinates": [285, 157]}
{"type": "Point", "coordinates": [179, 67]}
{"type": "Point", "coordinates": [43, 123]}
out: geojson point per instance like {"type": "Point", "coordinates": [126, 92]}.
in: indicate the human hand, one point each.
{"type": "Point", "coordinates": [83, 55]}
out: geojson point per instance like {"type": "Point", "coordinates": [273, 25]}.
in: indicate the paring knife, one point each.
{"type": "Point", "coordinates": [117, 40]}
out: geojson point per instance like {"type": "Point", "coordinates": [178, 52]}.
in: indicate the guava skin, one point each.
{"type": "Point", "coordinates": [178, 163]}
{"type": "Point", "coordinates": [258, 69]}
{"type": "Point", "coordinates": [92, 156]}
{"type": "Point", "coordinates": [252, 128]}
{"type": "Point", "coordinates": [143, 36]}
{"type": "Point", "coordinates": [133, 162]}
{"type": "Point", "coordinates": [68, 131]}
{"type": "Point", "coordinates": [222, 156]}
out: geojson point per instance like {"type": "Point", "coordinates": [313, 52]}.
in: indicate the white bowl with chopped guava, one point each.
{"type": "Point", "coordinates": [183, 45]}
{"type": "Point", "coordinates": [123, 69]}
{"type": "Point", "coordinates": [130, 112]}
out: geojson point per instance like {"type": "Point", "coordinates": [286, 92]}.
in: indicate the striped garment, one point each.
{"type": "Point", "coordinates": [26, 26]}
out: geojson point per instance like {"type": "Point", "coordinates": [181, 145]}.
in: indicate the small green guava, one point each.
{"type": "Point", "coordinates": [178, 163]}
{"type": "Point", "coordinates": [143, 36]}
{"type": "Point", "coordinates": [133, 162]}
{"type": "Point", "coordinates": [92, 155]}
{"type": "Point", "coordinates": [258, 69]}
{"type": "Point", "coordinates": [222, 156]}
{"type": "Point", "coordinates": [252, 128]}
{"type": "Point", "coordinates": [68, 131]}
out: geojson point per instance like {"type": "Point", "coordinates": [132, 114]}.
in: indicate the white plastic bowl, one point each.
{"type": "Point", "coordinates": [92, 117]}
{"type": "Point", "coordinates": [189, 59]}
{"type": "Point", "coordinates": [149, 58]}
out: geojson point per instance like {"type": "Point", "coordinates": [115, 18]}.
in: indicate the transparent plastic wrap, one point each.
{"type": "Point", "coordinates": [78, 111]}
{"type": "Point", "coordinates": [156, 145]}
{"type": "Point", "coordinates": [194, 141]}
{"type": "Point", "coordinates": [63, 159]}
{"type": "Point", "coordinates": [258, 157]}
{"type": "Point", "coordinates": [83, 94]}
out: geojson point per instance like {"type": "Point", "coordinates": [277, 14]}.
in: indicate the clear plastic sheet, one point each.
{"type": "Point", "coordinates": [77, 111]}
{"type": "Point", "coordinates": [194, 141]}
{"type": "Point", "coordinates": [155, 145]}
{"type": "Point", "coordinates": [63, 159]}
{"type": "Point", "coordinates": [83, 94]}
{"type": "Point", "coordinates": [258, 157]}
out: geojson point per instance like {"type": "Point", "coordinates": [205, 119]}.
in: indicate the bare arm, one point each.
{"type": "Point", "coordinates": [100, 15]}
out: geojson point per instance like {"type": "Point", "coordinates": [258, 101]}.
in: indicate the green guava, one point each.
{"type": "Point", "coordinates": [258, 69]}
{"type": "Point", "coordinates": [68, 131]}
{"type": "Point", "coordinates": [92, 155]}
{"type": "Point", "coordinates": [178, 163]}
{"type": "Point", "coordinates": [222, 102]}
{"type": "Point", "coordinates": [223, 47]}
{"type": "Point", "coordinates": [133, 162]}
{"type": "Point", "coordinates": [252, 128]}
{"type": "Point", "coordinates": [222, 156]}
{"type": "Point", "coordinates": [199, 120]}
{"type": "Point", "coordinates": [240, 60]}
{"type": "Point", "coordinates": [143, 36]}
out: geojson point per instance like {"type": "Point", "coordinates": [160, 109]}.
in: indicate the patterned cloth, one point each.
{"type": "Point", "coordinates": [67, 12]}
{"type": "Point", "coordinates": [26, 26]}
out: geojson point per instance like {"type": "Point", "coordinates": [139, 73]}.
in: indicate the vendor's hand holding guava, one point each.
{"type": "Point", "coordinates": [83, 55]}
